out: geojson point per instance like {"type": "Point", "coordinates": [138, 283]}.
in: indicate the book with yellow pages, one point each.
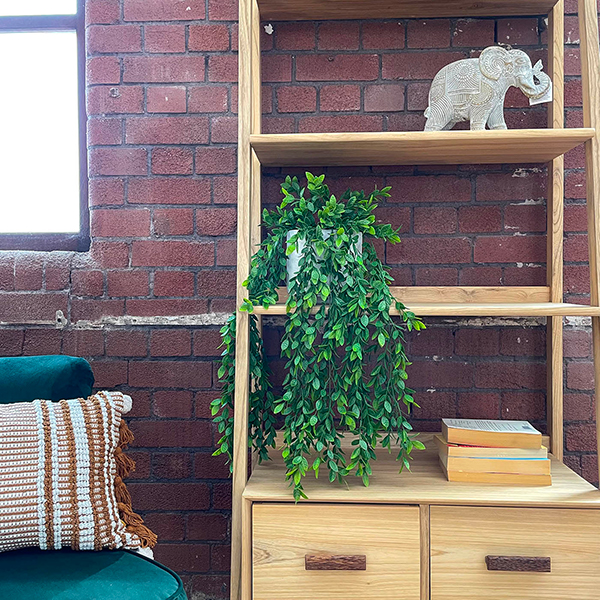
{"type": "Point", "coordinates": [498, 434]}
{"type": "Point", "coordinates": [499, 478]}
{"type": "Point", "coordinates": [487, 451]}
{"type": "Point", "coordinates": [515, 466]}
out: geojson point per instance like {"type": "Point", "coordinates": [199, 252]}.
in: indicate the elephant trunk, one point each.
{"type": "Point", "coordinates": [527, 83]}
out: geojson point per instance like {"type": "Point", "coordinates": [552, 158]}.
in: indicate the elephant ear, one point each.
{"type": "Point", "coordinates": [492, 62]}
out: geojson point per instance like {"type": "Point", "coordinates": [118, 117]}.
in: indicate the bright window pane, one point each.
{"type": "Point", "coordinates": [37, 7]}
{"type": "Point", "coordinates": [39, 153]}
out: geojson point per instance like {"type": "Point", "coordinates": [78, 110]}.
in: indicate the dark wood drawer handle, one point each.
{"type": "Point", "coordinates": [535, 564]}
{"type": "Point", "coordinates": [314, 562]}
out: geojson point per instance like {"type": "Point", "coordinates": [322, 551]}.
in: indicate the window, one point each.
{"type": "Point", "coordinates": [43, 164]}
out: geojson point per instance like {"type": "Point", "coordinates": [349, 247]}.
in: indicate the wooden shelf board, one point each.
{"type": "Point", "coordinates": [417, 147]}
{"type": "Point", "coordinates": [513, 309]}
{"type": "Point", "coordinates": [425, 484]}
{"type": "Point", "coordinates": [308, 10]}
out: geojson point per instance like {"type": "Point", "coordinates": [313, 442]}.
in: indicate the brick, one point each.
{"type": "Point", "coordinates": [435, 341]}
{"type": "Point", "coordinates": [518, 31]}
{"type": "Point", "coordinates": [225, 190]}
{"type": "Point", "coordinates": [474, 342]}
{"type": "Point", "coordinates": [479, 219]}
{"type": "Point", "coordinates": [572, 62]}
{"type": "Point", "coordinates": [575, 185]}
{"type": "Point", "coordinates": [434, 405]}
{"type": "Point", "coordinates": [126, 343]}
{"type": "Point", "coordinates": [167, 130]}
{"type": "Point", "coordinates": [41, 341]}
{"type": "Point", "coordinates": [102, 12]}
{"type": "Point", "coordinates": [109, 374]}
{"type": "Point", "coordinates": [204, 526]}
{"type": "Point", "coordinates": [525, 274]}
{"type": "Point", "coordinates": [220, 557]}
{"type": "Point", "coordinates": [163, 434]}
{"type": "Point", "coordinates": [442, 188]}
{"type": "Point", "coordinates": [169, 496]}
{"type": "Point", "coordinates": [171, 342]}
{"type": "Point", "coordinates": [434, 33]}
{"type": "Point", "coordinates": [7, 273]}
{"type": "Point", "coordinates": [397, 217]}
{"type": "Point", "coordinates": [173, 283]}
{"type": "Point", "coordinates": [216, 283]}
{"type": "Point", "coordinates": [11, 342]}
{"type": "Point", "coordinates": [207, 343]}
{"type": "Point", "coordinates": [502, 249]}
{"type": "Point", "coordinates": [109, 222]}
{"type": "Point", "coordinates": [296, 99]}
{"type": "Point", "coordinates": [495, 187]}
{"type": "Point", "coordinates": [37, 307]}
{"type": "Point", "coordinates": [118, 161]}
{"type": "Point", "coordinates": [384, 98]}
{"type": "Point", "coordinates": [441, 276]}
{"type": "Point", "coordinates": [87, 283]}
{"type": "Point", "coordinates": [444, 374]}
{"type": "Point", "coordinates": [29, 272]}
{"type": "Point", "coordinates": [216, 221]}
{"type": "Point", "coordinates": [202, 401]}
{"type": "Point", "coordinates": [127, 283]}
{"type": "Point", "coordinates": [223, 68]}
{"type": "Point", "coordinates": [167, 526]}
{"type": "Point", "coordinates": [172, 254]}
{"type": "Point", "coordinates": [224, 130]}
{"type": "Point", "coordinates": [577, 344]}
{"type": "Point", "coordinates": [222, 10]}
{"type": "Point", "coordinates": [110, 254]}
{"type": "Point", "coordinates": [226, 253]}
{"type": "Point", "coordinates": [173, 404]}
{"type": "Point", "coordinates": [170, 99]}
{"type": "Point", "coordinates": [104, 132]}
{"type": "Point", "coordinates": [163, 10]}
{"type": "Point", "coordinates": [172, 161]}
{"type": "Point", "coordinates": [524, 406]}
{"type": "Point", "coordinates": [115, 100]}
{"type": "Point", "coordinates": [209, 37]}
{"type": "Point", "coordinates": [83, 342]}
{"type": "Point", "coordinates": [577, 279]}
{"type": "Point", "coordinates": [114, 38]}
{"type": "Point", "coordinates": [341, 67]}
{"type": "Point", "coordinates": [573, 93]}
{"type": "Point", "coordinates": [478, 405]}
{"type": "Point", "coordinates": [572, 30]}
{"type": "Point", "coordinates": [276, 68]}
{"type": "Point", "coordinates": [525, 217]}
{"type": "Point", "coordinates": [387, 35]}
{"type": "Point", "coordinates": [173, 221]}
{"type": "Point", "coordinates": [576, 248]}
{"type": "Point", "coordinates": [510, 375]}
{"type": "Point", "coordinates": [170, 374]}
{"type": "Point", "coordinates": [163, 69]}
{"type": "Point", "coordinates": [340, 123]}
{"type": "Point", "coordinates": [164, 38]}
{"type": "Point", "coordinates": [412, 65]}
{"type": "Point", "coordinates": [417, 96]}
{"type": "Point", "coordinates": [57, 271]}
{"type": "Point", "coordinates": [430, 251]}
{"type": "Point", "coordinates": [221, 496]}
{"type": "Point", "coordinates": [580, 376]}
{"type": "Point", "coordinates": [435, 220]}
{"type": "Point", "coordinates": [339, 98]}
{"type": "Point", "coordinates": [338, 36]}
{"type": "Point", "coordinates": [578, 407]}
{"type": "Point", "coordinates": [184, 557]}
{"type": "Point", "coordinates": [208, 99]}
{"type": "Point", "coordinates": [170, 190]}
{"type": "Point", "coordinates": [103, 69]}
{"type": "Point", "coordinates": [402, 276]}
{"type": "Point", "coordinates": [523, 342]}
{"type": "Point", "coordinates": [166, 307]}
{"type": "Point", "coordinates": [213, 160]}
{"type": "Point", "coordinates": [278, 125]}
{"type": "Point", "coordinates": [172, 465]}
{"type": "Point", "coordinates": [581, 438]}
{"type": "Point", "coordinates": [470, 33]}
{"type": "Point", "coordinates": [295, 36]}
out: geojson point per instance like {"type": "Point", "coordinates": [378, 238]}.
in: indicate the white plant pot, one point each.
{"type": "Point", "coordinates": [293, 260]}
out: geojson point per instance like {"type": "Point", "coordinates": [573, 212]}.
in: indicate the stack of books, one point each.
{"type": "Point", "coordinates": [507, 452]}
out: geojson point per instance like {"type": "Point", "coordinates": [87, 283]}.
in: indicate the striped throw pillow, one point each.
{"type": "Point", "coordinates": [61, 475]}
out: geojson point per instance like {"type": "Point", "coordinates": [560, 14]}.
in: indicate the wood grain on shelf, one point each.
{"type": "Point", "coordinates": [425, 550]}
{"type": "Point", "coordinates": [425, 484]}
{"type": "Point", "coordinates": [461, 538]}
{"type": "Point", "coordinates": [309, 10]}
{"type": "Point", "coordinates": [416, 147]}
{"type": "Point", "coordinates": [283, 534]}
{"type": "Point", "coordinates": [513, 309]}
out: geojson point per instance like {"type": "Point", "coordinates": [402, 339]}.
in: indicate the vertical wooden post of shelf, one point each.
{"type": "Point", "coordinates": [555, 209]}
{"type": "Point", "coordinates": [242, 347]}
{"type": "Point", "coordinates": [590, 75]}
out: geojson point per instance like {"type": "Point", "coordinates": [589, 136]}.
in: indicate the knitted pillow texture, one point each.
{"type": "Point", "coordinates": [61, 475]}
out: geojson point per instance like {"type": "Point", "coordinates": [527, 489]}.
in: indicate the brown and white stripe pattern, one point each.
{"type": "Point", "coordinates": [57, 473]}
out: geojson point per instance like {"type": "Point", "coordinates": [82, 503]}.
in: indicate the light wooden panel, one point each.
{"type": "Point", "coordinates": [590, 67]}
{"type": "Point", "coordinates": [432, 309]}
{"type": "Point", "coordinates": [416, 147]}
{"type": "Point", "coordinates": [426, 484]}
{"type": "Point", "coordinates": [283, 534]}
{"type": "Point", "coordinates": [294, 10]}
{"type": "Point", "coordinates": [425, 550]}
{"type": "Point", "coordinates": [461, 538]}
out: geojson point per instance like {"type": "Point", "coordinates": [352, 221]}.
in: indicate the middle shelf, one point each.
{"type": "Point", "coordinates": [416, 147]}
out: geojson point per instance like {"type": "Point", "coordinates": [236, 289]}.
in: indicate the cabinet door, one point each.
{"type": "Point", "coordinates": [514, 554]}
{"type": "Point", "coordinates": [335, 552]}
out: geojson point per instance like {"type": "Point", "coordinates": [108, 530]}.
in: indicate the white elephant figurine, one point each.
{"type": "Point", "coordinates": [474, 89]}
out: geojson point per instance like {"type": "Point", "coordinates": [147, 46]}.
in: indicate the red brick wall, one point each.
{"type": "Point", "coordinates": [162, 102]}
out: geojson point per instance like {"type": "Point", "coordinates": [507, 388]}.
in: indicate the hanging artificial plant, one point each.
{"type": "Point", "coordinates": [346, 362]}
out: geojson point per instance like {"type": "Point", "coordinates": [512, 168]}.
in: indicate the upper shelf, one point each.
{"type": "Point", "coordinates": [416, 147]}
{"type": "Point", "coordinates": [309, 10]}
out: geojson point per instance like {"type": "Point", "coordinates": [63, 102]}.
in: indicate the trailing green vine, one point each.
{"type": "Point", "coordinates": [346, 363]}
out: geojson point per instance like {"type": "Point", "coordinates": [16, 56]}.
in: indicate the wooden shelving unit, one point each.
{"type": "Point", "coordinates": [426, 487]}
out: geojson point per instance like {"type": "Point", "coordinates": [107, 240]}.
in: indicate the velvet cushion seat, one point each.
{"type": "Point", "coordinates": [67, 575]}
